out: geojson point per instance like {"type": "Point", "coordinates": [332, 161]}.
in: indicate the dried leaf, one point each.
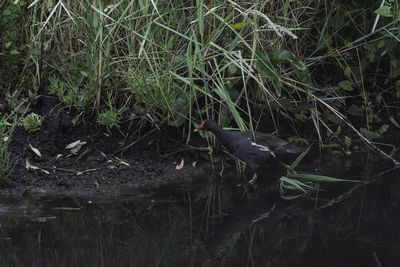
{"type": "Point", "coordinates": [122, 162]}
{"type": "Point", "coordinates": [194, 163]}
{"type": "Point", "coordinates": [59, 156]}
{"type": "Point", "coordinates": [29, 166]}
{"type": "Point", "coordinates": [76, 119]}
{"type": "Point", "coordinates": [87, 170]}
{"type": "Point", "coordinates": [72, 145]}
{"type": "Point", "coordinates": [96, 183]}
{"type": "Point", "coordinates": [180, 166]}
{"type": "Point", "coordinates": [102, 154]}
{"type": "Point", "coordinates": [77, 146]}
{"type": "Point", "coordinates": [36, 151]}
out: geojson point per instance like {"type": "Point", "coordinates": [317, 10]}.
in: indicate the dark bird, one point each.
{"type": "Point", "coordinates": [256, 152]}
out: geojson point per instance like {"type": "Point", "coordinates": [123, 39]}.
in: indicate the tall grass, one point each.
{"type": "Point", "coordinates": [241, 63]}
{"type": "Point", "coordinates": [8, 122]}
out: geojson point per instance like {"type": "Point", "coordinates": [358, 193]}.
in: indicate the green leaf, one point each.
{"type": "Point", "coordinates": [346, 85]}
{"type": "Point", "coordinates": [347, 141]}
{"type": "Point", "coordinates": [383, 128]}
{"type": "Point", "coordinates": [299, 67]}
{"type": "Point", "coordinates": [382, 43]}
{"type": "Point", "coordinates": [263, 65]}
{"type": "Point", "coordinates": [286, 56]}
{"type": "Point", "coordinates": [238, 26]}
{"type": "Point", "coordinates": [355, 110]}
{"type": "Point", "coordinates": [7, 12]}
{"type": "Point", "coordinates": [181, 109]}
{"type": "Point", "coordinates": [369, 134]}
{"type": "Point", "coordinates": [14, 52]}
{"type": "Point", "coordinates": [318, 178]}
{"type": "Point", "coordinates": [347, 72]}
{"type": "Point", "coordinates": [384, 11]}
{"type": "Point", "coordinates": [299, 158]}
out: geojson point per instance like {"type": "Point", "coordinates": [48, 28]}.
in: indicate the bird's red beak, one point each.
{"type": "Point", "coordinates": [200, 127]}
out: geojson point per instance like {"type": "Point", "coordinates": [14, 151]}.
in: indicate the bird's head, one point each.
{"type": "Point", "coordinates": [207, 125]}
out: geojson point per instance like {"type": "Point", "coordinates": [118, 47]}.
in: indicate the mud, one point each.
{"type": "Point", "coordinates": [139, 155]}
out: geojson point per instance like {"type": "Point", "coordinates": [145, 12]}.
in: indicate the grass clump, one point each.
{"type": "Point", "coordinates": [111, 117]}
{"type": "Point", "coordinates": [32, 122]}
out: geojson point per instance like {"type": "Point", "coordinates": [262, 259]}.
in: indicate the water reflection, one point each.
{"type": "Point", "coordinates": [207, 224]}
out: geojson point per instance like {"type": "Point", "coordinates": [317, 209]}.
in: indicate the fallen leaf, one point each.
{"type": "Point", "coordinates": [36, 151]}
{"type": "Point", "coordinates": [75, 146]}
{"type": "Point", "coordinates": [58, 156]}
{"type": "Point", "coordinates": [96, 183]}
{"type": "Point", "coordinates": [194, 163]}
{"type": "Point", "coordinates": [102, 154]}
{"type": "Point", "coordinates": [72, 145]}
{"type": "Point", "coordinates": [120, 161]}
{"type": "Point", "coordinates": [87, 170]}
{"type": "Point", "coordinates": [76, 119]}
{"type": "Point", "coordinates": [180, 166]}
{"type": "Point", "coordinates": [29, 166]}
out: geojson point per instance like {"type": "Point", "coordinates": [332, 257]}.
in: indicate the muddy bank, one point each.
{"type": "Point", "coordinates": [138, 155]}
{"type": "Point", "coordinates": [106, 164]}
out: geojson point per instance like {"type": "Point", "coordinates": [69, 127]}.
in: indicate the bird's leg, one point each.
{"type": "Point", "coordinates": [254, 178]}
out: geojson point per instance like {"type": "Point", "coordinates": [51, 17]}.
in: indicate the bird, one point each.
{"type": "Point", "coordinates": [255, 153]}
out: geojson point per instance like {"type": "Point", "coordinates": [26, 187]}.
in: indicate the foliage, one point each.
{"type": "Point", "coordinates": [12, 44]}
{"type": "Point", "coordinates": [333, 65]}
{"type": "Point", "coordinates": [72, 92]}
{"type": "Point", "coordinates": [297, 184]}
{"type": "Point", "coordinates": [32, 122]}
{"type": "Point", "coordinates": [110, 117]}
{"type": "Point", "coordinates": [7, 125]}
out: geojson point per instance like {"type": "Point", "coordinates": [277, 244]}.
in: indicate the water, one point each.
{"type": "Point", "coordinates": [212, 223]}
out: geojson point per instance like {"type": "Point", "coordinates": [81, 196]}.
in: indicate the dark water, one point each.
{"type": "Point", "coordinates": [213, 223]}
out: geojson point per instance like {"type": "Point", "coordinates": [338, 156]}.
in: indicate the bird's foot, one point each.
{"type": "Point", "coordinates": [253, 180]}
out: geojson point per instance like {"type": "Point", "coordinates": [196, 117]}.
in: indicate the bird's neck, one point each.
{"type": "Point", "coordinates": [223, 136]}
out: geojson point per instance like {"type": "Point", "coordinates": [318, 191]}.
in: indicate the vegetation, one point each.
{"type": "Point", "coordinates": [7, 125]}
{"type": "Point", "coordinates": [334, 65]}
{"type": "Point", "coordinates": [32, 122]}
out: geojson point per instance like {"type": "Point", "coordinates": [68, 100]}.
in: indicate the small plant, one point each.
{"type": "Point", "coordinates": [77, 92]}
{"type": "Point", "coordinates": [32, 122]}
{"type": "Point", "coordinates": [111, 117]}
